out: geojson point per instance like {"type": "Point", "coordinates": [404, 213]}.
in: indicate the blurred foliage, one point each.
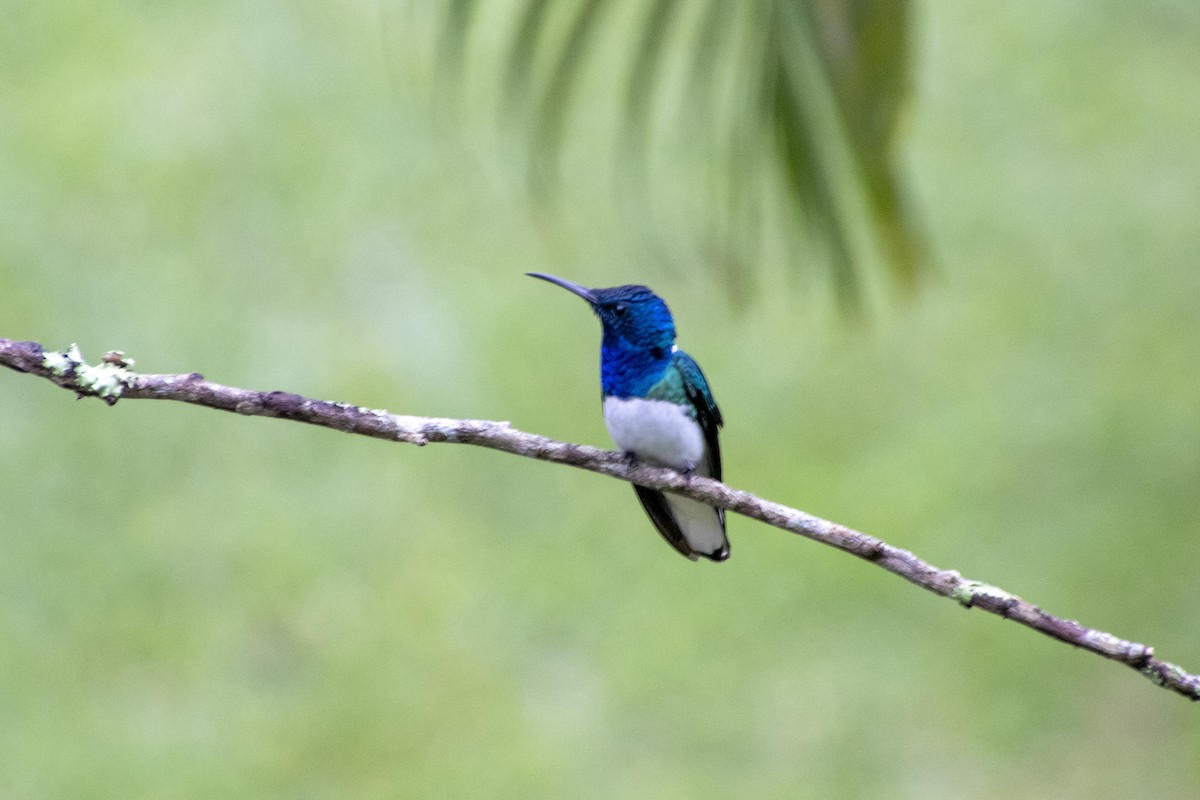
{"type": "Point", "coordinates": [788, 102]}
{"type": "Point", "coordinates": [194, 604]}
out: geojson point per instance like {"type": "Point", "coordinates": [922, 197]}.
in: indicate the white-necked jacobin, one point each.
{"type": "Point", "coordinates": [658, 407]}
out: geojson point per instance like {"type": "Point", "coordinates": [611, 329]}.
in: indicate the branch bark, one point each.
{"type": "Point", "coordinates": [114, 379]}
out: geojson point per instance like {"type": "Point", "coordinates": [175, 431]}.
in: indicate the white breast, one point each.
{"type": "Point", "coordinates": [656, 431]}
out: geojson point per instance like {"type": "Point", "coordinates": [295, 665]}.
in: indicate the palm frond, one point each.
{"type": "Point", "coordinates": [802, 94]}
{"type": "Point", "coordinates": [557, 95]}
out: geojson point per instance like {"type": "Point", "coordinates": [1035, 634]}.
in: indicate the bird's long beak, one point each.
{"type": "Point", "coordinates": [574, 288]}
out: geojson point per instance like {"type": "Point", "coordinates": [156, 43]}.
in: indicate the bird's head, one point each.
{"type": "Point", "coordinates": [634, 318]}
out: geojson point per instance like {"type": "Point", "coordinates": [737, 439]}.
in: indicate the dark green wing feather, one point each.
{"type": "Point", "coordinates": [655, 504]}
{"type": "Point", "coordinates": [695, 386]}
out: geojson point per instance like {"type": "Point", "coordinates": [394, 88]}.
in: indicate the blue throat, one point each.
{"type": "Point", "coordinates": [639, 333]}
{"type": "Point", "coordinates": [628, 370]}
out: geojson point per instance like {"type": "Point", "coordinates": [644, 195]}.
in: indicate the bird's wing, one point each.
{"type": "Point", "coordinates": [707, 414]}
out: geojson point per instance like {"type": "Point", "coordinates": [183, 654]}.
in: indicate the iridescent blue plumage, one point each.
{"type": "Point", "coordinates": [659, 407]}
{"type": "Point", "coordinates": [639, 333]}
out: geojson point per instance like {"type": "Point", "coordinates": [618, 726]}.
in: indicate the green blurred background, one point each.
{"type": "Point", "coordinates": [194, 604]}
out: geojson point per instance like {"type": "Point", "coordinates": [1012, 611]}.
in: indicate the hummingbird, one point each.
{"type": "Point", "coordinates": [658, 408]}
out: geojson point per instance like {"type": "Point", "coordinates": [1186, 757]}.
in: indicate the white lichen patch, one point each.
{"type": "Point", "coordinates": [60, 363]}
{"type": "Point", "coordinates": [970, 591]}
{"type": "Point", "coordinates": [106, 380]}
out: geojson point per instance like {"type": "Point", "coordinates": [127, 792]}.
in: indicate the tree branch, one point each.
{"type": "Point", "coordinates": [114, 379]}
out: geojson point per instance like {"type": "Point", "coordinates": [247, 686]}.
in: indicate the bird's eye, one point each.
{"type": "Point", "coordinates": [620, 310]}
